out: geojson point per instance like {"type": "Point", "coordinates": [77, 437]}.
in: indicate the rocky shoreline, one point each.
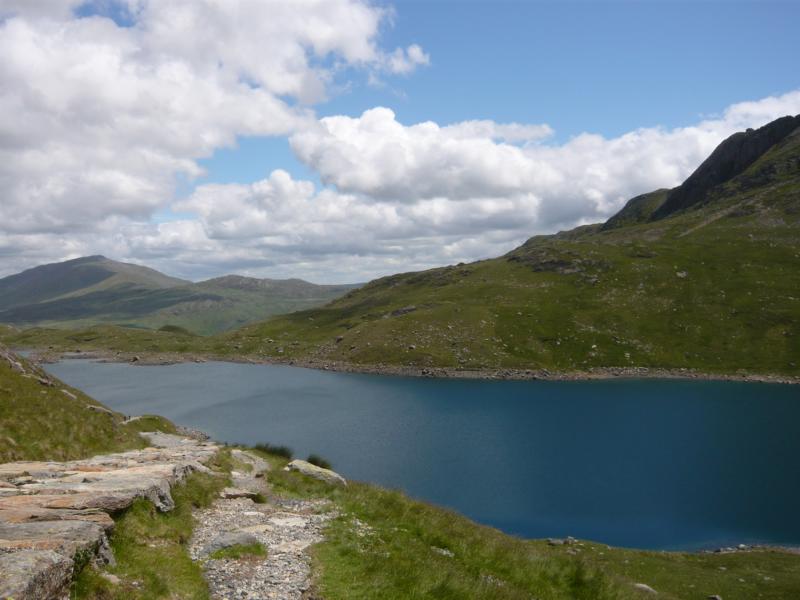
{"type": "Point", "coordinates": [509, 374]}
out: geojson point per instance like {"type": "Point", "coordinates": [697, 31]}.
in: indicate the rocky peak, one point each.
{"type": "Point", "coordinates": [729, 159]}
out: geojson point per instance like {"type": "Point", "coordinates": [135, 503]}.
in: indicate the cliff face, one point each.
{"type": "Point", "coordinates": [731, 158]}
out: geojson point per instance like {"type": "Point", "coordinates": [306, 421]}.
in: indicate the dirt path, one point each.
{"type": "Point", "coordinates": [284, 528]}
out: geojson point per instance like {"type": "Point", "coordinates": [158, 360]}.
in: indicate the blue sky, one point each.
{"type": "Point", "coordinates": [344, 140]}
{"type": "Point", "coordinates": [600, 67]}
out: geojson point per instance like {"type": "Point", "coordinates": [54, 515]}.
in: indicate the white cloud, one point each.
{"type": "Point", "coordinates": [585, 179]}
{"type": "Point", "coordinates": [405, 61]}
{"type": "Point", "coordinates": [98, 119]}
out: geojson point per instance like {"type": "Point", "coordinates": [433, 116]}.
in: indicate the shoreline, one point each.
{"type": "Point", "coordinates": [502, 374]}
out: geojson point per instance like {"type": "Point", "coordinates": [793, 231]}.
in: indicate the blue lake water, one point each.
{"type": "Point", "coordinates": [639, 463]}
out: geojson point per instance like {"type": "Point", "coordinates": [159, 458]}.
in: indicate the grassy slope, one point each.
{"type": "Point", "coordinates": [40, 422]}
{"type": "Point", "coordinates": [383, 544]}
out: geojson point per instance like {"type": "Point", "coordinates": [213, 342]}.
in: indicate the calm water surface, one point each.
{"type": "Point", "coordinates": [651, 464]}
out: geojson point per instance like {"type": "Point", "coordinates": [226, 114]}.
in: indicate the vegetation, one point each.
{"type": "Point", "coordinates": [41, 421]}
{"type": "Point", "coordinates": [94, 290]}
{"type": "Point", "coordinates": [280, 451]}
{"type": "Point", "coordinates": [240, 551]}
{"type": "Point", "coordinates": [316, 459]}
{"type": "Point", "coordinates": [383, 544]}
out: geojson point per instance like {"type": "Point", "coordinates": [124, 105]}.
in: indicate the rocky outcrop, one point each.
{"type": "Point", "coordinates": [56, 515]}
{"type": "Point", "coordinates": [731, 158]}
{"type": "Point", "coordinates": [326, 475]}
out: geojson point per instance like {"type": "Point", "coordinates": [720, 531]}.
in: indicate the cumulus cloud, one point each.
{"type": "Point", "coordinates": [405, 61]}
{"type": "Point", "coordinates": [587, 178]}
{"type": "Point", "coordinates": [98, 118]}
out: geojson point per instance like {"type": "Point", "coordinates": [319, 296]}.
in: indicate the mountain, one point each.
{"type": "Point", "coordinates": [703, 276]}
{"type": "Point", "coordinates": [79, 276]}
{"type": "Point", "coordinates": [95, 289]}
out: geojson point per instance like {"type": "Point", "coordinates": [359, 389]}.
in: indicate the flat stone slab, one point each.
{"type": "Point", "coordinates": [231, 493]}
{"type": "Point", "coordinates": [50, 511]}
{"type": "Point", "coordinates": [30, 514]}
{"type": "Point", "coordinates": [64, 537]}
{"type": "Point", "coordinates": [34, 574]}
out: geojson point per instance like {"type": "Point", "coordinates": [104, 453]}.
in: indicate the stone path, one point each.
{"type": "Point", "coordinates": [52, 513]}
{"type": "Point", "coordinates": [286, 528]}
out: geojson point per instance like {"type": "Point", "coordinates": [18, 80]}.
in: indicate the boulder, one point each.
{"type": "Point", "coordinates": [326, 475]}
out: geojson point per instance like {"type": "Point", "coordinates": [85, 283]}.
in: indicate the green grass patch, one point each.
{"type": "Point", "coordinates": [240, 551]}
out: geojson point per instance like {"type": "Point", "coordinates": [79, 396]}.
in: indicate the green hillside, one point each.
{"type": "Point", "coordinates": [95, 289]}
{"type": "Point", "coordinates": [42, 418]}
{"type": "Point", "coordinates": [712, 287]}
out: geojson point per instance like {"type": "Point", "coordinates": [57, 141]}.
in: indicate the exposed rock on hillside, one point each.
{"type": "Point", "coordinates": [54, 515]}
{"type": "Point", "coordinates": [731, 157]}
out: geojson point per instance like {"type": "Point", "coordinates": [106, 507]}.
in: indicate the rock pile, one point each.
{"type": "Point", "coordinates": [56, 515]}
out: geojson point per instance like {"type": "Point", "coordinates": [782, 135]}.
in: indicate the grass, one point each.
{"type": "Point", "coordinates": [316, 459]}
{"type": "Point", "coordinates": [240, 551]}
{"type": "Point", "coordinates": [152, 423]}
{"type": "Point", "coordinates": [383, 544]}
{"type": "Point", "coordinates": [279, 451]}
{"type": "Point", "coordinates": [44, 422]}
{"type": "Point", "coordinates": [150, 549]}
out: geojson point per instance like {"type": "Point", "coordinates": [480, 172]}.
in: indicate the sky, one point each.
{"type": "Point", "coordinates": [342, 140]}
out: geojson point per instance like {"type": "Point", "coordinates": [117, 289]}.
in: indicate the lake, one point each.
{"type": "Point", "coordinates": [659, 464]}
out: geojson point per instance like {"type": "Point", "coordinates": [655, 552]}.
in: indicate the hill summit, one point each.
{"type": "Point", "coordinates": [96, 289]}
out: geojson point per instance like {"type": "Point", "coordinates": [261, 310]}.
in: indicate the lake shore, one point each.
{"type": "Point", "coordinates": [511, 374]}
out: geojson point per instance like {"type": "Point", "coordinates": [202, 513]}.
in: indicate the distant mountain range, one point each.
{"type": "Point", "coordinates": [95, 289]}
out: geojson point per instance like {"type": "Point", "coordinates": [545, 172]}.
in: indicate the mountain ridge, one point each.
{"type": "Point", "coordinates": [96, 289]}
